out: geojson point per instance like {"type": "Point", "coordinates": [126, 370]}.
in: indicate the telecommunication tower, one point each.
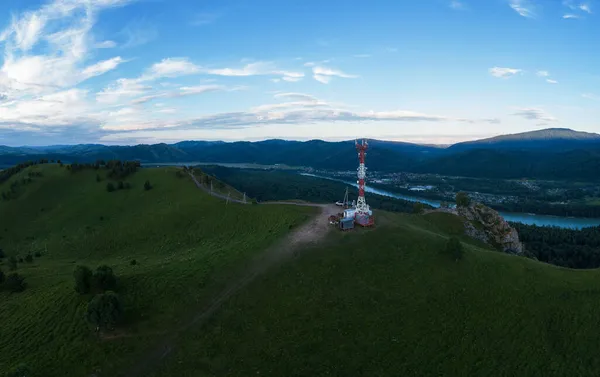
{"type": "Point", "coordinates": [364, 216]}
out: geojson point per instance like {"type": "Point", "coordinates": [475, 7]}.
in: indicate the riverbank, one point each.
{"type": "Point", "coordinates": [524, 218]}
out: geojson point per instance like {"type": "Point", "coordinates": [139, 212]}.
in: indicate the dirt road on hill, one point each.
{"type": "Point", "coordinates": [311, 232]}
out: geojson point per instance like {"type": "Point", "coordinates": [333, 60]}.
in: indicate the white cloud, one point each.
{"type": "Point", "coordinates": [535, 114]}
{"type": "Point", "coordinates": [504, 72]}
{"type": "Point", "coordinates": [570, 16]}
{"type": "Point", "coordinates": [586, 8]}
{"type": "Point", "coordinates": [106, 44]}
{"type": "Point", "coordinates": [324, 75]}
{"type": "Point", "coordinates": [362, 56]}
{"type": "Point", "coordinates": [204, 19]}
{"type": "Point", "coordinates": [322, 79]}
{"type": "Point", "coordinates": [171, 67]}
{"type": "Point", "coordinates": [122, 89]}
{"type": "Point", "coordinates": [523, 8]}
{"type": "Point", "coordinates": [297, 97]}
{"type": "Point", "coordinates": [542, 73]}
{"type": "Point", "coordinates": [101, 67]}
{"type": "Point", "coordinates": [458, 5]}
{"type": "Point", "coordinates": [591, 96]}
{"type": "Point", "coordinates": [138, 33]}
{"type": "Point", "coordinates": [550, 81]}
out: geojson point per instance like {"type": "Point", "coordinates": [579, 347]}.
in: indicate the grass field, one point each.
{"type": "Point", "coordinates": [384, 302]}
{"type": "Point", "coordinates": [186, 244]}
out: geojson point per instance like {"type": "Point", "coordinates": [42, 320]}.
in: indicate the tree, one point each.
{"type": "Point", "coordinates": [104, 279]}
{"type": "Point", "coordinates": [2, 255]}
{"type": "Point", "coordinates": [12, 263]}
{"type": "Point", "coordinates": [15, 282]}
{"type": "Point", "coordinates": [147, 185]}
{"type": "Point", "coordinates": [83, 279]}
{"type": "Point", "coordinates": [21, 370]}
{"type": "Point", "coordinates": [98, 179]}
{"type": "Point", "coordinates": [2, 277]}
{"type": "Point", "coordinates": [110, 187]}
{"type": "Point", "coordinates": [120, 185]}
{"type": "Point", "coordinates": [29, 258]}
{"type": "Point", "coordinates": [104, 310]}
{"type": "Point", "coordinates": [418, 208]}
{"type": "Point", "coordinates": [454, 249]}
{"type": "Point", "coordinates": [462, 199]}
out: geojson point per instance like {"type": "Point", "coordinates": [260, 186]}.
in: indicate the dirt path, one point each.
{"type": "Point", "coordinates": [311, 232]}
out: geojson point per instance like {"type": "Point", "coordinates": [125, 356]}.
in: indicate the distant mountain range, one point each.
{"type": "Point", "coordinates": [555, 153]}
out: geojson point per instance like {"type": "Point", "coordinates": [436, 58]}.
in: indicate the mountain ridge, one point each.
{"type": "Point", "coordinates": [548, 154]}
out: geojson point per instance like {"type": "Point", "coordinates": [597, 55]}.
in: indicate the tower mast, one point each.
{"type": "Point", "coordinates": [361, 204]}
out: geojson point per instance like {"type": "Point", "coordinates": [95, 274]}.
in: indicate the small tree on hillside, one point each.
{"type": "Point", "coordinates": [463, 199]}
{"type": "Point", "coordinates": [147, 185]}
{"type": "Point", "coordinates": [21, 370]}
{"type": "Point", "coordinates": [104, 279]}
{"type": "Point", "coordinates": [98, 179]}
{"type": "Point", "coordinates": [120, 185]}
{"type": "Point", "coordinates": [418, 208]}
{"type": "Point", "coordinates": [83, 279]}
{"type": "Point", "coordinates": [29, 258]}
{"type": "Point", "coordinates": [15, 283]}
{"type": "Point", "coordinates": [454, 249]}
{"type": "Point", "coordinates": [2, 255]}
{"type": "Point", "coordinates": [104, 310]}
{"type": "Point", "coordinates": [110, 187]}
{"type": "Point", "coordinates": [2, 277]}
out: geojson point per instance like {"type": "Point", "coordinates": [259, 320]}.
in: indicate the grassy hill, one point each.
{"type": "Point", "coordinates": [384, 302]}
{"type": "Point", "coordinates": [186, 243]}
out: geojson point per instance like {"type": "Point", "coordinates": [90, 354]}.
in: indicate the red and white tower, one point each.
{"type": "Point", "coordinates": [363, 212]}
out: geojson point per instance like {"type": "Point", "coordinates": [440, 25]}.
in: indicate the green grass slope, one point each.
{"type": "Point", "coordinates": [385, 302]}
{"type": "Point", "coordinates": [187, 245]}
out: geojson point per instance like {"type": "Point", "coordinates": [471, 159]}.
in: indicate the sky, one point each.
{"type": "Point", "coordinates": [427, 71]}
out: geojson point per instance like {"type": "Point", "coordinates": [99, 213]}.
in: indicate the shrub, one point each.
{"type": "Point", "coordinates": [29, 258]}
{"type": "Point", "coordinates": [37, 254]}
{"type": "Point", "coordinates": [120, 185]}
{"type": "Point", "coordinates": [104, 279]}
{"type": "Point", "coordinates": [133, 262]}
{"type": "Point", "coordinates": [454, 249]}
{"type": "Point", "coordinates": [83, 279]}
{"type": "Point", "coordinates": [20, 260]}
{"type": "Point", "coordinates": [2, 277]}
{"type": "Point", "coordinates": [418, 208]}
{"type": "Point", "coordinates": [21, 370]}
{"type": "Point", "coordinates": [147, 185]}
{"type": "Point", "coordinates": [15, 283]}
{"type": "Point", "coordinates": [110, 187]}
{"type": "Point", "coordinates": [127, 185]}
{"type": "Point", "coordinates": [2, 255]}
{"type": "Point", "coordinates": [462, 199]}
{"type": "Point", "coordinates": [104, 310]}
{"type": "Point", "coordinates": [12, 263]}
{"type": "Point", "coordinates": [98, 179]}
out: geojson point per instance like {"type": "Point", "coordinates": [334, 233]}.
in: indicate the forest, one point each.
{"type": "Point", "coordinates": [264, 185]}
{"type": "Point", "coordinates": [562, 247]}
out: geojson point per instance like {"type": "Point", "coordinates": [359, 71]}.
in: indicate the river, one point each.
{"type": "Point", "coordinates": [525, 218]}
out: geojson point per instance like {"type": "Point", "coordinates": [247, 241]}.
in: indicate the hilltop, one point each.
{"type": "Point", "coordinates": [382, 301]}
{"type": "Point", "coordinates": [557, 138]}
{"type": "Point", "coordinates": [186, 245]}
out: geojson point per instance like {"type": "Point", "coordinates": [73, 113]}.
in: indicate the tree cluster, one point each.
{"type": "Point", "coordinates": [560, 246]}
{"type": "Point", "coordinates": [102, 280]}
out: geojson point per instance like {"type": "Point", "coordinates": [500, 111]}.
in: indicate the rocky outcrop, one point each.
{"type": "Point", "coordinates": [485, 224]}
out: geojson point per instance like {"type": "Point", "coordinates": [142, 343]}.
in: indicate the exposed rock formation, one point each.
{"type": "Point", "coordinates": [485, 224]}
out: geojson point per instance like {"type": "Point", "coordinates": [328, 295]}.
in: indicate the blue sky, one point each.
{"type": "Point", "coordinates": [427, 71]}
